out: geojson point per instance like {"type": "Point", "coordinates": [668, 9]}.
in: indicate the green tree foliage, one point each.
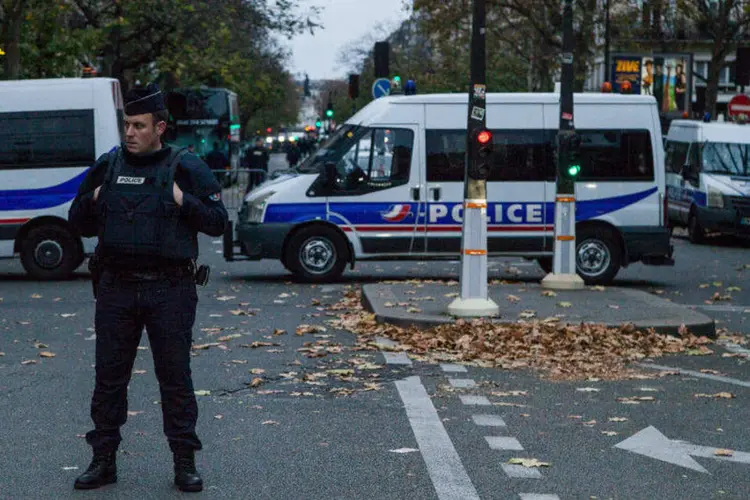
{"type": "Point", "coordinates": [228, 43]}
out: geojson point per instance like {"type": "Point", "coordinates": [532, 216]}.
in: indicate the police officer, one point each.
{"type": "Point", "coordinates": [256, 158]}
{"type": "Point", "coordinates": [146, 202]}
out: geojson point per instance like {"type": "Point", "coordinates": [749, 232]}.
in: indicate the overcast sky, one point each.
{"type": "Point", "coordinates": [344, 21]}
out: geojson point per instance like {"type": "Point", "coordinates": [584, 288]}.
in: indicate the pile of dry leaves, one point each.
{"type": "Point", "coordinates": [559, 351]}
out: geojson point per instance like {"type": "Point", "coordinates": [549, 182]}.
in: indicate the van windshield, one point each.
{"type": "Point", "coordinates": [333, 149]}
{"type": "Point", "coordinates": [728, 158]}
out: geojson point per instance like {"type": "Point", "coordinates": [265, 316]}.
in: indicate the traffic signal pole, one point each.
{"type": "Point", "coordinates": [564, 275]}
{"type": "Point", "coordinates": [473, 300]}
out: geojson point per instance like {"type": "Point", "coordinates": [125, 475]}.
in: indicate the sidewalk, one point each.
{"type": "Point", "coordinates": [424, 305]}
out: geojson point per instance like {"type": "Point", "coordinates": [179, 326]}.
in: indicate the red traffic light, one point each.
{"type": "Point", "coordinates": [268, 130]}
{"type": "Point", "coordinates": [484, 137]}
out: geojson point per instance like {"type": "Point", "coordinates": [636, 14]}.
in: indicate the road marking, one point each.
{"type": "Point", "coordinates": [449, 478]}
{"type": "Point", "coordinates": [488, 420]}
{"type": "Point", "coordinates": [653, 444]}
{"type": "Point", "coordinates": [453, 368]}
{"type": "Point", "coordinates": [538, 496]}
{"type": "Point", "coordinates": [393, 358]}
{"type": "Point", "coordinates": [735, 348]}
{"type": "Point", "coordinates": [503, 443]}
{"type": "Point", "coordinates": [720, 308]}
{"type": "Point", "coordinates": [692, 373]}
{"type": "Point", "coordinates": [474, 400]}
{"type": "Point", "coordinates": [462, 383]}
{"type": "Point", "coordinates": [521, 472]}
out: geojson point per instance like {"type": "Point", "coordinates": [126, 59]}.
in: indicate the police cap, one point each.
{"type": "Point", "coordinates": [140, 101]}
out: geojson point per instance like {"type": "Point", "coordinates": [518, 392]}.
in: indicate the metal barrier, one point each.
{"type": "Point", "coordinates": [236, 183]}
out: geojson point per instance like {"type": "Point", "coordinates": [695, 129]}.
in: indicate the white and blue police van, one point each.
{"type": "Point", "coordinates": [389, 185]}
{"type": "Point", "coordinates": [51, 132]}
{"type": "Point", "coordinates": [708, 177]}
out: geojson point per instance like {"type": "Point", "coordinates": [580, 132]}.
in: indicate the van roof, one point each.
{"type": "Point", "coordinates": [519, 97]}
{"type": "Point", "coordinates": [714, 131]}
{"type": "Point", "coordinates": [52, 82]}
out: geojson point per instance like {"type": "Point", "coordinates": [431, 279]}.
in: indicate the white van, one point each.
{"type": "Point", "coordinates": [406, 200]}
{"type": "Point", "coordinates": [708, 177]}
{"type": "Point", "coordinates": [51, 132]}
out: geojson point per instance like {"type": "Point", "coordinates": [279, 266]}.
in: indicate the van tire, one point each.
{"type": "Point", "coordinates": [50, 253]}
{"type": "Point", "coordinates": [545, 263]}
{"type": "Point", "coordinates": [696, 233]}
{"type": "Point", "coordinates": [316, 254]}
{"type": "Point", "coordinates": [598, 255]}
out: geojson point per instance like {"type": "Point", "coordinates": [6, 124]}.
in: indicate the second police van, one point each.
{"type": "Point", "coordinates": [708, 177]}
{"type": "Point", "coordinates": [389, 186]}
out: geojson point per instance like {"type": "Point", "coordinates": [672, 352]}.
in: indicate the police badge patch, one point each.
{"type": "Point", "coordinates": [215, 197]}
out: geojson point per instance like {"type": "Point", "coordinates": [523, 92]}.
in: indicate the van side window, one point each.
{"type": "Point", "coordinates": [676, 156]}
{"type": "Point", "coordinates": [380, 159]}
{"type": "Point", "coordinates": [519, 155]}
{"type": "Point", "coordinates": [40, 139]}
{"type": "Point", "coordinates": [622, 155]}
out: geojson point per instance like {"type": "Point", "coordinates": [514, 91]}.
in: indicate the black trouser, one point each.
{"type": "Point", "coordinates": [166, 307]}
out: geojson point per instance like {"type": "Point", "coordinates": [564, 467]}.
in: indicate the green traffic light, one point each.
{"type": "Point", "coordinates": [574, 170]}
{"type": "Point", "coordinates": [397, 78]}
{"type": "Point", "coordinates": [318, 124]}
{"type": "Point", "coordinates": [329, 113]}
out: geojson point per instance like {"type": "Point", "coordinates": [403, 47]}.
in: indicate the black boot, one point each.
{"type": "Point", "coordinates": [103, 470]}
{"type": "Point", "coordinates": [185, 476]}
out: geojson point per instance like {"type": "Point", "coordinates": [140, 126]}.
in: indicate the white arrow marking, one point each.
{"type": "Point", "coordinates": [652, 443]}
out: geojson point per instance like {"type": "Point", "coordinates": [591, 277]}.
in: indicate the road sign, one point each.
{"type": "Point", "coordinates": [381, 88]}
{"type": "Point", "coordinates": [651, 443]}
{"type": "Point", "coordinates": [739, 105]}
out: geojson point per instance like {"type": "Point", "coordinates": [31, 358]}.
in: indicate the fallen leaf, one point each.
{"type": "Point", "coordinates": [226, 338]}
{"type": "Point", "coordinates": [279, 331]}
{"type": "Point", "coordinates": [610, 433]}
{"type": "Point", "coordinates": [528, 314]}
{"type": "Point", "coordinates": [723, 452]}
{"type": "Point", "coordinates": [134, 413]}
{"type": "Point", "coordinates": [565, 304]}
{"type": "Point", "coordinates": [389, 304]}
{"type": "Point", "coordinates": [703, 285]}
{"type": "Point", "coordinates": [255, 382]}
{"type": "Point", "coordinates": [67, 315]}
{"type": "Point", "coordinates": [612, 306]}
{"type": "Point", "coordinates": [257, 371]}
{"type": "Point", "coordinates": [39, 345]}
{"type": "Point", "coordinates": [598, 288]}
{"type": "Point", "coordinates": [404, 450]}
{"type": "Point", "coordinates": [513, 298]}
{"type": "Point", "coordinates": [734, 289]}
{"type": "Point", "coordinates": [718, 395]}
{"type": "Point", "coordinates": [549, 293]}
{"type": "Point", "coordinates": [225, 298]}
{"type": "Point", "coordinates": [239, 361]}
{"type": "Point", "coordinates": [270, 422]}
{"type": "Point", "coordinates": [283, 296]}
{"type": "Point", "coordinates": [70, 468]}
{"type": "Point", "coordinates": [413, 310]}
{"type": "Point", "coordinates": [528, 462]}
{"type": "Point", "coordinates": [238, 312]}
{"type": "Point", "coordinates": [36, 296]}
{"type": "Point", "coordinates": [47, 354]}
{"type": "Point", "coordinates": [198, 347]}
{"type": "Point", "coordinates": [202, 393]}
{"type": "Point", "coordinates": [29, 362]}
{"type": "Point", "coordinates": [590, 423]}
{"type": "Point", "coordinates": [718, 284]}
{"type": "Point", "coordinates": [734, 355]}
{"type": "Point", "coordinates": [218, 417]}
{"type": "Point", "coordinates": [451, 295]}
{"type": "Point", "coordinates": [2, 353]}
{"type": "Point", "coordinates": [341, 372]}
{"type": "Point", "coordinates": [139, 372]}
{"type": "Point", "coordinates": [509, 393]}
{"type": "Point", "coordinates": [587, 389]}
{"type": "Point", "coordinates": [711, 372]}
{"type": "Point", "coordinates": [617, 419]}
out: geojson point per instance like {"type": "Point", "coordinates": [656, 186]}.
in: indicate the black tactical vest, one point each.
{"type": "Point", "coordinates": [138, 214]}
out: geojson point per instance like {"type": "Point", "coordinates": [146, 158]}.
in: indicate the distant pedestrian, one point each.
{"type": "Point", "coordinates": [256, 158]}
{"type": "Point", "coordinates": [217, 162]}
{"type": "Point", "coordinates": [292, 154]}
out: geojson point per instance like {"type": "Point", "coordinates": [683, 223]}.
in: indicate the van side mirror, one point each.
{"type": "Point", "coordinates": [330, 173]}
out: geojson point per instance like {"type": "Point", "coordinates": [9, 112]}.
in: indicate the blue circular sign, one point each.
{"type": "Point", "coordinates": [381, 88]}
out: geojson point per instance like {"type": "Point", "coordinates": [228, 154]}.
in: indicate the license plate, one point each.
{"type": "Point", "coordinates": [745, 221]}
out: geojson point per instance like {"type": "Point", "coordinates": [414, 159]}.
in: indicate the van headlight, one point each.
{"type": "Point", "coordinates": [715, 198]}
{"type": "Point", "coordinates": [257, 207]}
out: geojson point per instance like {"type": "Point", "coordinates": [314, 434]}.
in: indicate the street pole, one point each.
{"type": "Point", "coordinates": [568, 143]}
{"type": "Point", "coordinates": [606, 43]}
{"type": "Point", "coordinates": [473, 300]}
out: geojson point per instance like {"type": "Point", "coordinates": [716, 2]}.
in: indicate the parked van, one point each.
{"type": "Point", "coordinates": [708, 177]}
{"type": "Point", "coordinates": [51, 132]}
{"type": "Point", "coordinates": [405, 201]}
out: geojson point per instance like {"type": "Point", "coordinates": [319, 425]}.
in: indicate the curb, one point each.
{"type": "Point", "coordinates": [669, 324]}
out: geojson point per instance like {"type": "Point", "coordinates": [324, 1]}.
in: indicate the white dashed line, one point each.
{"type": "Point", "coordinates": [488, 420]}
{"type": "Point", "coordinates": [720, 307]}
{"type": "Point", "coordinates": [462, 383]}
{"type": "Point", "coordinates": [521, 472]}
{"type": "Point", "coordinates": [449, 478]}
{"type": "Point", "coordinates": [474, 400]}
{"type": "Point", "coordinates": [453, 368]}
{"type": "Point", "coordinates": [504, 443]}
{"type": "Point", "coordinates": [692, 373]}
{"type": "Point", "coordinates": [538, 496]}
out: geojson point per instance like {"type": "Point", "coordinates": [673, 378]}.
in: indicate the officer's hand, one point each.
{"type": "Point", "coordinates": [96, 193]}
{"type": "Point", "coordinates": [177, 194]}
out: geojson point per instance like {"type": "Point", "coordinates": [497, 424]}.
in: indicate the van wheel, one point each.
{"type": "Point", "coordinates": [50, 253]}
{"type": "Point", "coordinates": [598, 255]}
{"type": "Point", "coordinates": [316, 254]}
{"type": "Point", "coordinates": [545, 263]}
{"type": "Point", "coordinates": [696, 233]}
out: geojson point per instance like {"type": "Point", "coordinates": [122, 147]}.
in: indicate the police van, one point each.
{"type": "Point", "coordinates": [708, 177]}
{"type": "Point", "coordinates": [389, 185]}
{"type": "Point", "coordinates": [51, 132]}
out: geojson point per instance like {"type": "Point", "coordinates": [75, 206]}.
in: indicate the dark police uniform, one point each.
{"type": "Point", "coordinates": [146, 261]}
{"type": "Point", "coordinates": [257, 158]}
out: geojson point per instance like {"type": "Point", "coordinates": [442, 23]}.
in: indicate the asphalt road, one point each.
{"type": "Point", "coordinates": [422, 432]}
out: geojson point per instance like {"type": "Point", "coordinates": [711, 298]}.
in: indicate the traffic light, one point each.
{"type": "Point", "coordinates": [482, 150]}
{"type": "Point", "coordinates": [569, 161]}
{"type": "Point", "coordinates": [381, 56]}
{"type": "Point", "coordinates": [353, 86]}
{"type": "Point", "coordinates": [329, 110]}
{"type": "Point", "coordinates": [318, 123]}
{"type": "Point", "coordinates": [396, 85]}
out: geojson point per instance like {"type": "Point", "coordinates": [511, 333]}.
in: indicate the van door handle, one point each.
{"type": "Point", "coordinates": [415, 193]}
{"type": "Point", "coordinates": [435, 193]}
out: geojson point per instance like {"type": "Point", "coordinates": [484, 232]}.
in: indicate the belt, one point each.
{"type": "Point", "coordinates": [153, 275]}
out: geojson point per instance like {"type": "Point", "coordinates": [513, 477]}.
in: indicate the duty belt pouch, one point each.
{"type": "Point", "coordinates": [202, 274]}
{"type": "Point", "coordinates": [95, 269]}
